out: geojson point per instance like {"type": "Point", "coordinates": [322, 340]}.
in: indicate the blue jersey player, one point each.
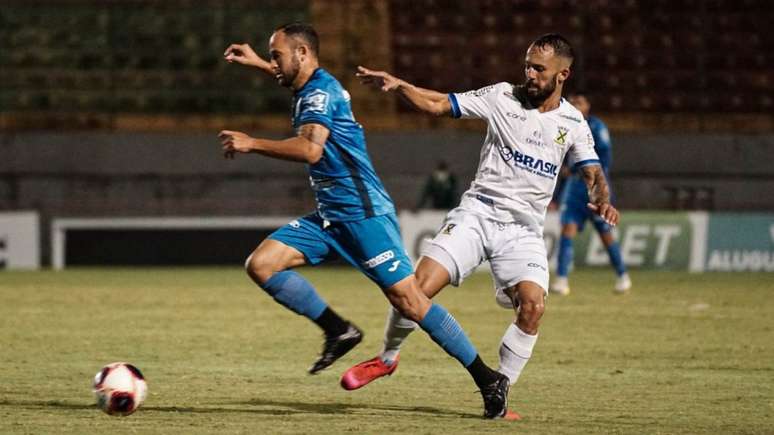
{"type": "Point", "coordinates": [355, 217]}
{"type": "Point", "coordinates": [575, 213]}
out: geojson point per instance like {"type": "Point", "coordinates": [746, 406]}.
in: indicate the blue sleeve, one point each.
{"type": "Point", "coordinates": [602, 144]}
{"type": "Point", "coordinates": [455, 106]}
{"type": "Point", "coordinates": [316, 107]}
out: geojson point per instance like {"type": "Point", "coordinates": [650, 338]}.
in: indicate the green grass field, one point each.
{"type": "Point", "coordinates": [680, 354]}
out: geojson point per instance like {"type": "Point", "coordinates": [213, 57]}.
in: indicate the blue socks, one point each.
{"type": "Point", "coordinates": [296, 293]}
{"type": "Point", "coordinates": [614, 251]}
{"type": "Point", "coordinates": [564, 258]}
{"type": "Point", "coordinates": [445, 331]}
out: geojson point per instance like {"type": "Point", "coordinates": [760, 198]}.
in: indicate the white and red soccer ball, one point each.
{"type": "Point", "coordinates": [120, 388]}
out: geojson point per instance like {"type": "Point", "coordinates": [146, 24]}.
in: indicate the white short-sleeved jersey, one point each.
{"type": "Point", "coordinates": [522, 153]}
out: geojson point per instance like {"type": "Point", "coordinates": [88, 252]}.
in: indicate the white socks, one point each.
{"type": "Point", "coordinates": [396, 330]}
{"type": "Point", "coordinates": [515, 350]}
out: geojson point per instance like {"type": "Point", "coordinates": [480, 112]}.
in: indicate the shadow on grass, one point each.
{"type": "Point", "coordinates": [347, 408]}
{"type": "Point", "coordinates": [253, 406]}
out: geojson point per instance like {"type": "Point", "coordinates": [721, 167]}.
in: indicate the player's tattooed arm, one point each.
{"type": "Point", "coordinates": [306, 147]}
{"type": "Point", "coordinates": [424, 100]}
{"type": "Point", "coordinates": [599, 193]}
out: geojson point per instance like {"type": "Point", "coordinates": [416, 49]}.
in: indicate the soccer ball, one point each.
{"type": "Point", "coordinates": [120, 388]}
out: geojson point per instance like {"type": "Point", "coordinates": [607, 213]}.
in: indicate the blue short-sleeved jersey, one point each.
{"type": "Point", "coordinates": [344, 181]}
{"type": "Point", "coordinates": [575, 194]}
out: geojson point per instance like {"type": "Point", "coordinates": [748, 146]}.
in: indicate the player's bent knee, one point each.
{"type": "Point", "coordinates": [258, 269]}
{"type": "Point", "coordinates": [410, 303]}
{"type": "Point", "coordinates": [403, 304]}
{"type": "Point", "coordinates": [533, 310]}
{"type": "Point", "coordinates": [530, 314]}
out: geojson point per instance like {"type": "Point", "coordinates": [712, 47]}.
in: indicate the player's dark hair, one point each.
{"type": "Point", "coordinates": [559, 43]}
{"type": "Point", "coordinates": [304, 32]}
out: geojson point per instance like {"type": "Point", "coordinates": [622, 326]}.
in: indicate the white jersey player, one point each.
{"type": "Point", "coordinates": [500, 217]}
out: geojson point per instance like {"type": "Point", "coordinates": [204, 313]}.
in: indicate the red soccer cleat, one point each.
{"type": "Point", "coordinates": [511, 416]}
{"type": "Point", "coordinates": [366, 372]}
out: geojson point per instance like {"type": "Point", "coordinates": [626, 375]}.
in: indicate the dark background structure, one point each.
{"type": "Point", "coordinates": [111, 107]}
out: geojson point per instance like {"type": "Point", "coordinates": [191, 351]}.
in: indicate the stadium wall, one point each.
{"type": "Point", "coordinates": [97, 174]}
{"type": "Point", "coordinates": [694, 241]}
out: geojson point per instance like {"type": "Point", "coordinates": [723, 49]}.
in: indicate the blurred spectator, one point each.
{"type": "Point", "coordinates": [440, 189]}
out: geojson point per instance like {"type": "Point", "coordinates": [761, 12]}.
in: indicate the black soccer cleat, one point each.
{"type": "Point", "coordinates": [496, 397]}
{"type": "Point", "coordinates": [336, 347]}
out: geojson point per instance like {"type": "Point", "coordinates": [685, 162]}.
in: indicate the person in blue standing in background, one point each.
{"type": "Point", "coordinates": [355, 217]}
{"type": "Point", "coordinates": [574, 212]}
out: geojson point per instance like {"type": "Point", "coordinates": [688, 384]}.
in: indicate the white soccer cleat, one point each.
{"type": "Point", "coordinates": [623, 283]}
{"type": "Point", "coordinates": [560, 286]}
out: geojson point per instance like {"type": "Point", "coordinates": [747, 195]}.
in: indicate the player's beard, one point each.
{"type": "Point", "coordinates": [538, 95]}
{"type": "Point", "coordinates": [287, 78]}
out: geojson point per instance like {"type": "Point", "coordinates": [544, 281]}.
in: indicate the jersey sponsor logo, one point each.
{"type": "Point", "coordinates": [379, 259]}
{"type": "Point", "coordinates": [525, 161]}
{"type": "Point", "coordinates": [295, 224]}
{"type": "Point", "coordinates": [571, 118]}
{"type": "Point", "coordinates": [518, 116]}
{"type": "Point", "coordinates": [561, 135]}
{"type": "Point", "coordinates": [315, 101]}
{"type": "Point", "coordinates": [480, 92]}
{"type": "Point", "coordinates": [536, 139]}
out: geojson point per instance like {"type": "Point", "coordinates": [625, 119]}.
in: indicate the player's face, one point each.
{"type": "Point", "coordinates": [284, 59]}
{"type": "Point", "coordinates": [544, 72]}
{"type": "Point", "coordinates": [581, 103]}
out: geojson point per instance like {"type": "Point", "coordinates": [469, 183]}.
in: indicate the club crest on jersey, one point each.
{"type": "Point", "coordinates": [448, 228]}
{"type": "Point", "coordinates": [561, 136]}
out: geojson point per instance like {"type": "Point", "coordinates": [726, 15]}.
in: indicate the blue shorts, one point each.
{"type": "Point", "coordinates": [577, 212]}
{"type": "Point", "coordinates": [373, 245]}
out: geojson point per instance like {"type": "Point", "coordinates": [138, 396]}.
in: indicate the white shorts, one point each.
{"type": "Point", "coordinates": [515, 252]}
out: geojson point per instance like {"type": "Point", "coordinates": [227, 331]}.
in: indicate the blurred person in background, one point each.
{"type": "Point", "coordinates": [574, 213]}
{"type": "Point", "coordinates": [355, 217]}
{"type": "Point", "coordinates": [440, 189]}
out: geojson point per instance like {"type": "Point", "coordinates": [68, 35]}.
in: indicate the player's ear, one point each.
{"type": "Point", "coordinates": [302, 50]}
{"type": "Point", "coordinates": [564, 74]}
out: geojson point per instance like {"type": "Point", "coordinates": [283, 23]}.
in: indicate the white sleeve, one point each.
{"type": "Point", "coordinates": [477, 104]}
{"type": "Point", "coordinates": [581, 150]}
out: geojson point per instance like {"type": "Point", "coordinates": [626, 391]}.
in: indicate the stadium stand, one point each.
{"type": "Point", "coordinates": [665, 56]}
{"type": "Point", "coordinates": [134, 56]}
{"type": "Point", "coordinates": [110, 107]}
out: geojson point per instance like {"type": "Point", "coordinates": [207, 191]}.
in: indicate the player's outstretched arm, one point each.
{"type": "Point", "coordinates": [599, 193]}
{"type": "Point", "coordinates": [307, 147]}
{"type": "Point", "coordinates": [425, 100]}
{"type": "Point", "coordinates": [245, 55]}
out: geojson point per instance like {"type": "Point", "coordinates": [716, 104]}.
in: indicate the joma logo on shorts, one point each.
{"type": "Point", "coordinates": [379, 259]}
